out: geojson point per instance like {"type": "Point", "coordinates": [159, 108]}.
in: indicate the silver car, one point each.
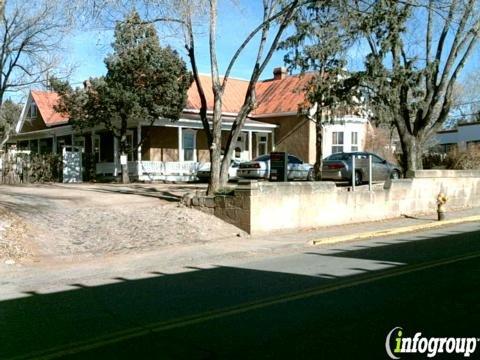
{"type": "Point", "coordinates": [203, 173]}
{"type": "Point", "coordinates": [260, 169]}
{"type": "Point", "coordinates": [338, 167]}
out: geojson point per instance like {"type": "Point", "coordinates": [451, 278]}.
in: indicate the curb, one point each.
{"type": "Point", "coordinates": [395, 231]}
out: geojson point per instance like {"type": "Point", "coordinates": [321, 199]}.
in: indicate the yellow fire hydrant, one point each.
{"type": "Point", "coordinates": [441, 201]}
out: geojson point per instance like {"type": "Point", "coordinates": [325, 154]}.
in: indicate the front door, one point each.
{"type": "Point", "coordinates": [240, 152]}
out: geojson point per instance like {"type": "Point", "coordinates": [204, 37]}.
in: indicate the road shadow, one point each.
{"type": "Point", "coordinates": [227, 312]}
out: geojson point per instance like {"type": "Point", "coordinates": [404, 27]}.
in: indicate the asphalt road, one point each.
{"type": "Point", "coordinates": [338, 302]}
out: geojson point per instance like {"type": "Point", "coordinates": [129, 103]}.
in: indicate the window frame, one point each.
{"type": "Point", "coordinates": [261, 142]}
{"type": "Point", "coordinates": [33, 111]}
{"type": "Point", "coordinates": [354, 141]}
{"type": "Point", "coordinates": [336, 144]}
{"type": "Point", "coordinates": [193, 133]}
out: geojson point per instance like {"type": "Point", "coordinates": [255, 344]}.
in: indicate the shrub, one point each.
{"type": "Point", "coordinates": [463, 159]}
{"type": "Point", "coordinates": [45, 168]}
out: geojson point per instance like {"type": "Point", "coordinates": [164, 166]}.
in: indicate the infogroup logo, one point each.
{"type": "Point", "coordinates": [397, 344]}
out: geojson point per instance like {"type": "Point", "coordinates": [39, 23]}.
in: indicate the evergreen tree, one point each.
{"type": "Point", "coordinates": [143, 82]}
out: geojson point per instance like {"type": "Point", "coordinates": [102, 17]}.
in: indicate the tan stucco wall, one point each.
{"type": "Point", "coordinates": [293, 136]}
{"type": "Point", "coordinates": [203, 155]}
{"type": "Point", "coordinates": [161, 144]}
{"type": "Point", "coordinates": [264, 207]}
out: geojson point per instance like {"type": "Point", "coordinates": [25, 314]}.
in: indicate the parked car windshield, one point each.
{"type": "Point", "coordinates": [294, 160]}
{"type": "Point", "coordinates": [263, 158]}
{"type": "Point", "coordinates": [339, 156]}
{"type": "Point", "coordinates": [378, 159]}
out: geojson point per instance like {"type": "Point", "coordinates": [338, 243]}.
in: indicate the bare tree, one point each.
{"type": "Point", "coordinates": [31, 33]}
{"type": "Point", "coordinates": [277, 15]}
{"type": "Point", "coordinates": [418, 48]}
{"type": "Point", "coordinates": [466, 100]}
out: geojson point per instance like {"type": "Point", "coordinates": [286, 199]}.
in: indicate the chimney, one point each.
{"type": "Point", "coordinates": [279, 73]}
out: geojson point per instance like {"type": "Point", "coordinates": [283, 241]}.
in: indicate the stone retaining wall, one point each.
{"type": "Point", "coordinates": [259, 207]}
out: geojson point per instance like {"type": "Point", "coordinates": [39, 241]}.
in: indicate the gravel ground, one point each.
{"type": "Point", "coordinates": [13, 238]}
{"type": "Point", "coordinates": [93, 220]}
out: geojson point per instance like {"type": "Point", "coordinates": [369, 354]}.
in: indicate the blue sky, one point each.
{"type": "Point", "coordinates": [87, 49]}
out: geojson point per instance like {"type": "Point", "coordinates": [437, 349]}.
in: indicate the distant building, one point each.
{"type": "Point", "coordinates": [463, 136]}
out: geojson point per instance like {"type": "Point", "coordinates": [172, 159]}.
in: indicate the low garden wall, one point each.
{"type": "Point", "coordinates": [259, 207]}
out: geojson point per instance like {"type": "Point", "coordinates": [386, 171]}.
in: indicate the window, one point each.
{"type": "Point", "coordinates": [80, 142]}
{"type": "Point", "coordinates": [33, 110]}
{"type": "Point", "coordinates": [96, 147]}
{"type": "Point", "coordinates": [45, 145]}
{"type": "Point", "coordinates": [354, 141]}
{"type": "Point", "coordinates": [450, 147]}
{"type": "Point", "coordinates": [34, 146]}
{"type": "Point", "coordinates": [262, 144]}
{"type": "Point", "coordinates": [188, 145]}
{"type": "Point", "coordinates": [337, 142]}
{"type": "Point", "coordinates": [377, 160]}
{"type": "Point", "coordinates": [239, 152]}
{"type": "Point", "coordinates": [23, 145]}
{"type": "Point", "coordinates": [471, 145]}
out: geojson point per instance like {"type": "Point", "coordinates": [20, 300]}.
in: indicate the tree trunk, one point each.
{"type": "Point", "coordinates": [317, 168]}
{"type": "Point", "coordinates": [215, 158]}
{"type": "Point", "coordinates": [232, 139]}
{"type": "Point", "coordinates": [411, 153]}
{"type": "Point", "coordinates": [216, 147]}
{"type": "Point", "coordinates": [123, 152]}
{"type": "Point", "coordinates": [125, 177]}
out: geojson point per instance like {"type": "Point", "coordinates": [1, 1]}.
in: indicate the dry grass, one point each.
{"type": "Point", "coordinates": [463, 159]}
{"type": "Point", "coordinates": [13, 236]}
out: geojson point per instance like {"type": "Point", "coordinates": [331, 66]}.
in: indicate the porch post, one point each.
{"type": "Point", "coordinates": [273, 140]}
{"type": "Point", "coordinates": [115, 156]}
{"type": "Point", "coordinates": [92, 150]}
{"type": "Point", "coordinates": [250, 150]}
{"type": "Point", "coordinates": [92, 142]}
{"type": "Point", "coordinates": [180, 145]}
{"type": "Point", "coordinates": [180, 149]}
{"type": "Point", "coordinates": [139, 151]}
{"type": "Point", "coordinates": [54, 144]}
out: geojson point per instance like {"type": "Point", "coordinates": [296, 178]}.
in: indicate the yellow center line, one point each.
{"type": "Point", "coordinates": [119, 336]}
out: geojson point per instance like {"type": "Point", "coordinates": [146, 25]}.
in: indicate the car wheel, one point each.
{"type": "Point", "coordinates": [395, 175]}
{"type": "Point", "coordinates": [358, 178]}
{"type": "Point", "coordinates": [310, 175]}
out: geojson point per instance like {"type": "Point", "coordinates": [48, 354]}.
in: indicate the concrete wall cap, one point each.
{"type": "Point", "coordinates": [443, 174]}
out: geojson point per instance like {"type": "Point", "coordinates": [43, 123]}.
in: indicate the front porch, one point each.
{"type": "Point", "coordinates": [175, 151]}
{"type": "Point", "coordinates": [164, 150]}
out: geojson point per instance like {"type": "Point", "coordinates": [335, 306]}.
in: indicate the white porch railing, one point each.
{"type": "Point", "coordinates": [154, 170]}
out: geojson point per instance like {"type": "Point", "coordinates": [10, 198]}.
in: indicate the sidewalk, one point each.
{"type": "Point", "coordinates": [49, 277]}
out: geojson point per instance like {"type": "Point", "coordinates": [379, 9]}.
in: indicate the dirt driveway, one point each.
{"type": "Point", "coordinates": [61, 220]}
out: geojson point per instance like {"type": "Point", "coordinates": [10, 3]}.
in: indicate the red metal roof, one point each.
{"type": "Point", "coordinates": [273, 97]}
{"type": "Point", "coordinates": [282, 95]}
{"type": "Point", "coordinates": [45, 101]}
